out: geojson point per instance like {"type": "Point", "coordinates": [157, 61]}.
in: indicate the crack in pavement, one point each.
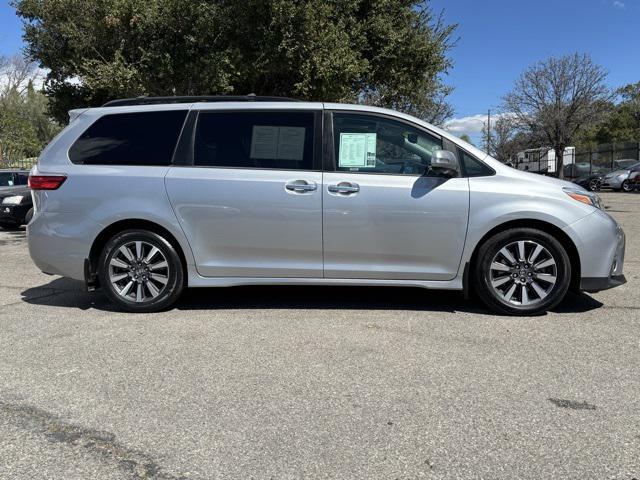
{"type": "Point", "coordinates": [37, 297]}
{"type": "Point", "coordinates": [137, 464]}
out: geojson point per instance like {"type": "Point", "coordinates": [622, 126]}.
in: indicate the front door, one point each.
{"type": "Point", "coordinates": [386, 214]}
{"type": "Point", "coordinates": [251, 202]}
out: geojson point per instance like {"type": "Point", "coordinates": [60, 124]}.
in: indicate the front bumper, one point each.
{"type": "Point", "coordinates": [601, 247]}
{"type": "Point", "coordinates": [13, 213]}
{"type": "Point", "coordinates": [593, 285]}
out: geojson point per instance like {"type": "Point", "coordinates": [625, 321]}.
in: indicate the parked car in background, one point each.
{"type": "Point", "coordinates": [634, 178]}
{"type": "Point", "coordinates": [586, 175]}
{"type": "Point", "coordinates": [16, 206]}
{"type": "Point", "coordinates": [12, 177]}
{"type": "Point", "coordinates": [144, 197]}
{"type": "Point", "coordinates": [619, 179]}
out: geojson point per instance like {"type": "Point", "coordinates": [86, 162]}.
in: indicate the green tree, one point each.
{"type": "Point", "coordinates": [621, 124]}
{"type": "Point", "coordinates": [390, 53]}
{"type": "Point", "coordinates": [466, 138]}
{"type": "Point", "coordinates": [25, 124]}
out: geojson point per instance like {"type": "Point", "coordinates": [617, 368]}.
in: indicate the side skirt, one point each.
{"type": "Point", "coordinates": [195, 280]}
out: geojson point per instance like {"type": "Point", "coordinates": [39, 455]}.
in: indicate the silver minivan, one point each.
{"type": "Point", "coordinates": [144, 197]}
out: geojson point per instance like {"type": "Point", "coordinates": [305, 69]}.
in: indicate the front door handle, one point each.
{"type": "Point", "coordinates": [344, 187]}
{"type": "Point", "coordinates": [300, 186]}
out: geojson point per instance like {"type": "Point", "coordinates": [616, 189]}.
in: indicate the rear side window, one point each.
{"type": "Point", "coordinates": [273, 140]}
{"type": "Point", "coordinates": [144, 138]}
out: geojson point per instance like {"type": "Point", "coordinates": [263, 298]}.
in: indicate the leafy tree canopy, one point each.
{"type": "Point", "coordinates": [385, 52]}
{"type": "Point", "coordinates": [25, 125]}
{"type": "Point", "coordinates": [622, 124]}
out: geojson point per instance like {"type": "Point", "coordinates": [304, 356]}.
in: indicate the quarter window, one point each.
{"type": "Point", "coordinates": [472, 167]}
{"type": "Point", "coordinates": [371, 144]}
{"type": "Point", "coordinates": [274, 140]}
{"type": "Point", "coordinates": [143, 138]}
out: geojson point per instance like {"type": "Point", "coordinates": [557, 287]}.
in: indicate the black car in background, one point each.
{"type": "Point", "coordinates": [16, 207]}
{"type": "Point", "coordinates": [585, 175]}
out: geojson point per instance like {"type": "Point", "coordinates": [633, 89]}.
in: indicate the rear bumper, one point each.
{"type": "Point", "coordinates": [596, 284]}
{"type": "Point", "coordinates": [59, 243]}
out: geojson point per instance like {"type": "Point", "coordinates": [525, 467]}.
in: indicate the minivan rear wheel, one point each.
{"type": "Point", "coordinates": [522, 271]}
{"type": "Point", "coordinates": [140, 271]}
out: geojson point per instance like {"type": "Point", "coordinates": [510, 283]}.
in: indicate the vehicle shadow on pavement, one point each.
{"type": "Point", "coordinates": [63, 292]}
{"type": "Point", "coordinates": [13, 237]}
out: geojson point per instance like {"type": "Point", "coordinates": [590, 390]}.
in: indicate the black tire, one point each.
{"type": "Point", "coordinates": [595, 185]}
{"type": "Point", "coordinates": [483, 273]}
{"type": "Point", "coordinates": [626, 186]}
{"type": "Point", "coordinates": [166, 293]}
{"type": "Point", "coordinates": [9, 226]}
{"type": "Point", "coordinates": [28, 216]}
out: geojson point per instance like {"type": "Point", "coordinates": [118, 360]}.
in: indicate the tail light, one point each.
{"type": "Point", "coordinates": [46, 182]}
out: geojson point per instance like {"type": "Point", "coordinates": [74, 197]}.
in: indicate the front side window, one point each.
{"type": "Point", "coordinates": [373, 144]}
{"type": "Point", "coordinates": [272, 140]}
{"type": "Point", "coordinates": [143, 138]}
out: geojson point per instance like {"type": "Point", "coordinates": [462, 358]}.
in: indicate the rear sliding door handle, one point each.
{"type": "Point", "coordinates": [344, 187]}
{"type": "Point", "coordinates": [301, 186]}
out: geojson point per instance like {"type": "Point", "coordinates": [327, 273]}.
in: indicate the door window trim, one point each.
{"type": "Point", "coordinates": [329, 141]}
{"type": "Point", "coordinates": [184, 152]}
{"type": "Point", "coordinates": [329, 160]}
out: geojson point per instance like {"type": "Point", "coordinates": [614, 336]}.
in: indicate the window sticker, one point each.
{"type": "Point", "coordinates": [357, 150]}
{"type": "Point", "coordinates": [277, 143]}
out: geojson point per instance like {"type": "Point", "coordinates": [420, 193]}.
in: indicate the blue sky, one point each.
{"type": "Point", "coordinates": [498, 39]}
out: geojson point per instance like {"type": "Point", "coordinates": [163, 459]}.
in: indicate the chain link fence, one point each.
{"type": "Point", "coordinates": [605, 157]}
{"type": "Point", "coordinates": [23, 163]}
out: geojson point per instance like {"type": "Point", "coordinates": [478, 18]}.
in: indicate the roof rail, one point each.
{"type": "Point", "coordinates": [194, 99]}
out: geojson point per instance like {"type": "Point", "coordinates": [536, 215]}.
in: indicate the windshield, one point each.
{"type": "Point", "coordinates": [6, 179]}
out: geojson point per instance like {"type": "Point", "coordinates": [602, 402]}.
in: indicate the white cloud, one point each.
{"type": "Point", "coordinates": [472, 124]}
{"type": "Point", "coordinates": [469, 125]}
{"type": "Point", "coordinates": [619, 4]}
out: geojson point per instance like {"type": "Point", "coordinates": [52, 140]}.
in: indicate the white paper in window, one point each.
{"type": "Point", "coordinates": [281, 143]}
{"type": "Point", "coordinates": [291, 143]}
{"type": "Point", "coordinates": [357, 150]}
{"type": "Point", "coordinates": [264, 142]}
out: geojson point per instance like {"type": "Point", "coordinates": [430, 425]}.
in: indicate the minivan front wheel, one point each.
{"type": "Point", "coordinates": [522, 271]}
{"type": "Point", "coordinates": [140, 271]}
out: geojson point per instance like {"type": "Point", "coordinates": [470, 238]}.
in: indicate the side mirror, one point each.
{"type": "Point", "coordinates": [445, 160]}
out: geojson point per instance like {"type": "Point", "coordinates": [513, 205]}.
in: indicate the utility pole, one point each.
{"type": "Point", "coordinates": [489, 131]}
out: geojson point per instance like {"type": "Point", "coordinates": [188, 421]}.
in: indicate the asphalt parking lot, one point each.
{"type": "Point", "coordinates": [284, 383]}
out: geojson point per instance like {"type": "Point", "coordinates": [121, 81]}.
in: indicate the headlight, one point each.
{"type": "Point", "coordinates": [15, 200]}
{"type": "Point", "coordinates": [583, 196]}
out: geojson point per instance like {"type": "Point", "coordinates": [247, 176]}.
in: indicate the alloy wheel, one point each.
{"type": "Point", "coordinates": [523, 273]}
{"type": "Point", "coordinates": [138, 271]}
